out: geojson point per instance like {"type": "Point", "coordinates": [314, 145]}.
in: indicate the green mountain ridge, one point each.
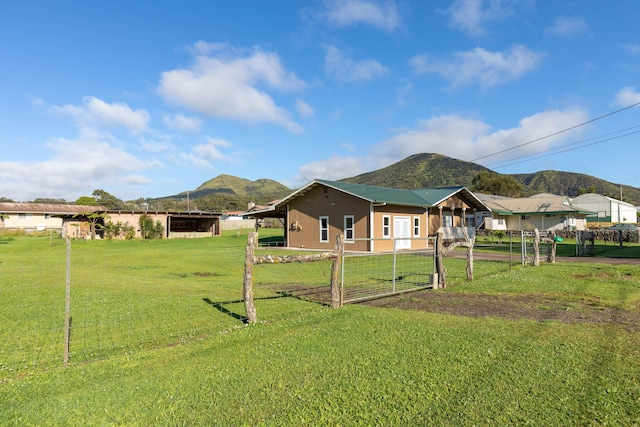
{"type": "Point", "coordinates": [437, 170]}
{"type": "Point", "coordinates": [230, 193]}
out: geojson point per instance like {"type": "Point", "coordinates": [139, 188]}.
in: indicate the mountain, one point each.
{"type": "Point", "coordinates": [230, 193]}
{"type": "Point", "coordinates": [422, 170]}
{"type": "Point", "coordinates": [436, 170]}
{"type": "Point", "coordinates": [569, 183]}
{"type": "Point", "coordinates": [262, 190]}
{"type": "Point", "coordinates": [222, 194]}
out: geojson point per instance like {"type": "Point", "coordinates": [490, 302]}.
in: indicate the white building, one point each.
{"type": "Point", "coordinates": [542, 211]}
{"type": "Point", "coordinates": [606, 209]}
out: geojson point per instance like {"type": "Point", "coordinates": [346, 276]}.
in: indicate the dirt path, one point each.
{"type": "Point", "coordinates": [510, 307]}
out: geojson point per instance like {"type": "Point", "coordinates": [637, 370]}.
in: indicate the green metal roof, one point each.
{"type": "Point", "coordinates": [425, 197]}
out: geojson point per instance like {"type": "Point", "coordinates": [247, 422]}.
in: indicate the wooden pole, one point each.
{"type": "Point", "coordinates": [337, 289]}
{"type": "Point", "coordinates": [67, 307]}
{"type": "Point", "coordinates": [536, 247]}
{"type": "Point", "coordinates": [248, 279]}
{"type": "Point", "coordinates": [552, 255]}
{"type": "Point", "coordinates": [441, 283]}
{"type": "Point", "coordinates": [470, 242]}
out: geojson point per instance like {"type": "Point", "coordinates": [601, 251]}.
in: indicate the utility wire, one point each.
{"type": "Point", "coordinates": [497, 165]}
{"type": "Point", "coordinates": [556, 133]}
{"type": "Point", "coordinates": [568, 149]}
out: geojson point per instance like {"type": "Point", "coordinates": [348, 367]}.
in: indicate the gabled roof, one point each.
{"type": "Point", "coordinates": [535, 205]}
{"type": "Point", "coordinates": [423, 197]}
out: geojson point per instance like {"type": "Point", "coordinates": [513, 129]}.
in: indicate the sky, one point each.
{"type": "Point", "coordinates": [145, 99]}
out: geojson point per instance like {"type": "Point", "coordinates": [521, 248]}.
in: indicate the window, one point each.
{"type": "Point", "coordinates": [500, 221]}
{"type": "Point", "coordinates": [447, 219]}
{"type": "Point", "coordinates": [386, 226]}
{"type": "Point", "coordinates": [525, 217]}
{"type": "Point", "coordinates": [416, 226]}
{"type": "Point", "coordinates": [47, 216]}
{"type": "Point", "coordinates": [25, 216]}
{"type": "Point", "coordinates": [348, 228]}
{"type": "Point", "coordinates": [324, 228]}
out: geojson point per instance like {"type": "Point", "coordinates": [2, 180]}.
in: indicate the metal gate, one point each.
{"type": "Point", "coordinates": [369, 275]}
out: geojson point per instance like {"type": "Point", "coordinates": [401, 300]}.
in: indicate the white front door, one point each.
{"type": "Point", "coordinates": [402, 232]}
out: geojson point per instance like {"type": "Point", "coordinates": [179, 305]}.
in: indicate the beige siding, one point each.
{"type": "Point", "coordinates": [382, 244]}
{"type": "Point", "coordinates": [304, 215]}
{"type": "Point", "coordinates": [31, 221]}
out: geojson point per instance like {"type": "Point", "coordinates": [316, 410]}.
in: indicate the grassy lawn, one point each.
{"type": "Point", "coordinates": [158, 339]}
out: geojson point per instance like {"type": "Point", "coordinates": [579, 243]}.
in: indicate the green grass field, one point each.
{"type": "Point", "coordinates": [158, 339]}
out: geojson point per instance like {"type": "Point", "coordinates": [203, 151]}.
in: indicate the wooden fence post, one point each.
{"type": "Point", "coordinates": [441, 283]}
{"type": "Point", "coordinates": [469, 242]}
{"type": "Point", "coordinates": [248, 279]}
{"type": "Point", "coordinates": [536, 247]}
{"type": "Point", "coordinates": [67, 307]}
{"type": "Point", "coordinates": [336, 285]}
{"type": "Point", "coordinates": [552, 254]}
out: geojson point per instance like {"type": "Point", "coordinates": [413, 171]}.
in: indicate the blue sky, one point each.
{"type": "Point", "coordinates": [152, 98]}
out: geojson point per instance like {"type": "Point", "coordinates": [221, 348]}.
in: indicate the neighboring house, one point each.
{"type": "Point", "coordinates": [542, 211]}
{"type": "Point", "coordinates": [370, 217]}
{"type": "Point", "coordinates": [72, 220]}
{"type": "Point", "coordinates": [39, 216]}
{"type": "Point", "coordinates": [606, 209]}
{"type": "Point", "coordinates": [175, 224]}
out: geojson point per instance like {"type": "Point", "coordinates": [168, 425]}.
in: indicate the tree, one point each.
{"type": "Point", "coordinates": [107, 200]}
{"type": "Point", "coordinates": [149, 229]}
{"type": "Point", "coordinates": [496, 184]}
{"type": "Point", "coordinates": [96, 220]}
{"type": "Point", "coordinates": [86, 201]}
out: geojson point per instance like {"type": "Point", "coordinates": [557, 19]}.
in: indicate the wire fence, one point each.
{"type": "Point", "coordinates": [374, 275]}
{"type": "Point", "coordinates": [124, 297]}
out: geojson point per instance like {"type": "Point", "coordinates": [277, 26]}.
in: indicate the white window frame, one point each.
{"type": "Point", "coordinates": [386, 228]}
{"type": "Point", "coordinates": [351, 229]}
{"type": "Point", "coordinates": [325, 228]}
{"type": "Point", "coordinates": [447, 219]}
{"type": "Point", "coordinates": [22, 215]}
{"type": "Point", "coordinates": [416, 226]}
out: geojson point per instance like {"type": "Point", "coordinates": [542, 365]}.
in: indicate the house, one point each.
{"type": "Point", "coordinates": [606, 209]}
{"type": "Point", "coordinates": [373, 219]}
{"type": "Point", "coordinates": [39, 216]}
{"type": "Point", "coordinates": [175, 224]}
{"type": "Point", "coordinates": [542, 211]}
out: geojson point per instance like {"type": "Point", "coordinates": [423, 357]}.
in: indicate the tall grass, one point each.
{"type": "Point", "coordinates": [166, 356]}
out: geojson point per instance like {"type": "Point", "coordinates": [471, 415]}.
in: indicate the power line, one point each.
{"type": "Point", "coordinates": [556, 133]}
{"type": "Point", "coordinates": [496, 165]}
{"type": "Point", "coordinates": [569, 149]}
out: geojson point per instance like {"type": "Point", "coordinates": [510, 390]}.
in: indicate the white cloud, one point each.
{"type": "Point", "coordinates": [472, 16]}
{"type": "Point", "coordinates": [335, 168]}
{"type": "Point", "coordinates": [633, 49]}
{"type": "Point", "coordinates": [205, 154]}
{"type": "Point", "coordinates": [627, 96]}
{"type": "Point", "coordinates": [345, 13]}
{"type": "Point", "coordinates": [224, 84]}
{"type": "Point", "coordinates": [182, 123]}
{"type": "Point", "coordinates": [479, 66]}
{"type": "Point", "coordinates": [344, 69]}
{"type": "Point", "coordinates": [76, 165]}
{"type": "Point", "coordinates": [568, 26]}
{"type": "Point", "coordinates": [210, 150]}
{"type": "Point", "coordinates": [454, 136]}
{"type": "Point", "coordinates": [304, 110]}
{"type": "Point", "coordinates": [159, 144]}
{"type": "Point", "coordinates": [97, 113]}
